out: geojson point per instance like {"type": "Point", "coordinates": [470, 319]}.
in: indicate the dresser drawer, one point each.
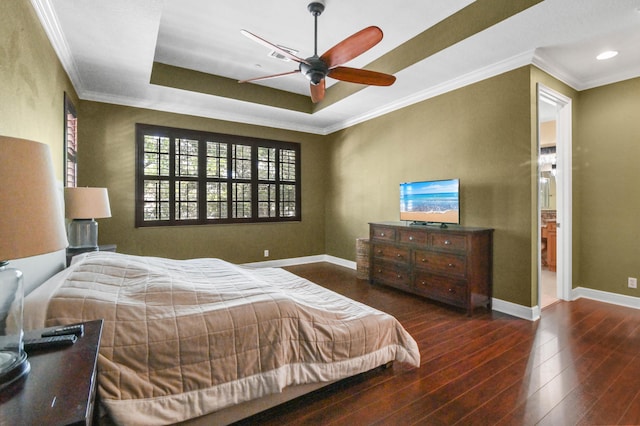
{"type": "Point", "coordinates": [383, 233]}
{"type": "Point", "coordinates": [391, 253]}
{"type": "Point", "coordinates": [448, 242]}
{"type": "Point", "coordinates": [441, 288]}
{"type": "Point", "coordinates": [390, 274]}
{"type": "Point", "coordinates": [441, 262]}
{"type": "Point", "coordinates": [412, 236]}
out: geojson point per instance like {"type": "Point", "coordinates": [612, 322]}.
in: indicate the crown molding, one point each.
{"type": "Point", "coordinates": [540, 61]}
{"type": "Point", "coordinates": [205, 112]}
{"type": "Point", "coordinates": [448, 86]}
{"type": "Point", "coordinates": [524, 59]}
{"type": "Point", "coordinates": [49, 20]}
{"type": "Point", "coordinates": [51, 25]}
{"type": "Point", "coordinates": [610, 79]}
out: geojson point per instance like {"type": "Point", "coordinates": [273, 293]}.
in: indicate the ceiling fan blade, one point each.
{"type": "Point", "coordinates": [269, 76]}
{"type": "Point", "coordinates": [269, 45]}
{"type": "Point", "coordinates": [352, 46]}
{"type": "Point", "coordinates": [357, 75]}
{"type": "Point", "coordinates": [317, 91]}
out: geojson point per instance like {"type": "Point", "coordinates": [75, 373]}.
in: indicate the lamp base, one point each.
{"type": "Point", "coordinates": [12, 366]}
{"type": "Point", "coordinates": [83, 233]}
{"type": "Point", "coordinates": [13, 359]}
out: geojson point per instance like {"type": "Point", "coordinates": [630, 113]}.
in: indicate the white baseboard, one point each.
{"type": "Point", "coordinates": [606, 297]}
{"type": "Point", "coordinates": [519, 311]}
{"type": "Point", "coordinates": [533, 314]}
{"type": "Point", "coordinates": [304, 260]}
{"type": "Point", "coordinates": [513, 309]}
{"type": "Point", "coordinates": [509, 308]}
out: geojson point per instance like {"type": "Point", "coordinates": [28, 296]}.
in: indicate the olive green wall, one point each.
{"type": "Point", "coordinates": [485, 134]}
{"type": "Point", "coordinates": [480, 134]}
{"type": "Point", "coordinates": [106, 158]}
{"type": "Point", "coordinates": [608, 143]}
{"type": "Point", "coordinates": [32, 81]}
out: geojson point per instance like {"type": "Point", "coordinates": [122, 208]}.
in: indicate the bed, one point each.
{"type": "Point", "coordinates": [204, 340]}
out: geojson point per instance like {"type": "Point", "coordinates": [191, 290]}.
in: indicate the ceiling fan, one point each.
{"type": "Point", "coordinates": [316, 68]}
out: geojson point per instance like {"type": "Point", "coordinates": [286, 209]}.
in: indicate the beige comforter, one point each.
{"type": "Point", "coordinates": [185, 338]}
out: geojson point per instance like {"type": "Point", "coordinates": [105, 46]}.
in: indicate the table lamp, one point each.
{"type": "Point", "coordinates": [31, 224]}
{"type": "Point", "coordinates": [83, 206]}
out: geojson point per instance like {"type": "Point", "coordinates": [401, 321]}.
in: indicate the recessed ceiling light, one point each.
{"type": "Point", "coordinates": [606, 55]}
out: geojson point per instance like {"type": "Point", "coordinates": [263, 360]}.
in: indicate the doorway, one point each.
{"type": "Point", "coordinates": [555, 195]}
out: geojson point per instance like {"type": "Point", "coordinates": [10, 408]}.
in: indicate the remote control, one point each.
{"type": "Point", "coordinates": [77, 329]}
{"type": "Point", "coordinates": [49, 342]}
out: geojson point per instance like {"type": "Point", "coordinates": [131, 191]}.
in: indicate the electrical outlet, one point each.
{"type": "Point", "coordinates": [266, 253]}
{"type": "Point", "coordinates": [633, 282]}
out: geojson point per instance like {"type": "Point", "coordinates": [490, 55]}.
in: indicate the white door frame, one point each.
{"type": "Point", "coordinates": [564, 190]}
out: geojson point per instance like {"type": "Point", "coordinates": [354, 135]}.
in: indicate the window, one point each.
{"type": "Point", "coordinates": [187, 177]}
{"type": "Point", "coordinates": [70, 143]}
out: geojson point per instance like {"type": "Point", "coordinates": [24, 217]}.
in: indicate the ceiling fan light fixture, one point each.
{"type": "Point", "coordinates": [315, 71]}
{"type": "Point", "coordinates": [315, 78]}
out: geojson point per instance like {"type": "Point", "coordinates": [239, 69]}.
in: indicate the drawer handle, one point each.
{"type": "Point", "coordinates": [447, 242]}
{"type": "Point", "coordinates": [452, 290]}
{"type": "Point", "coordinates": [411, 238]}
{"type": "Point", "coordinates": [379, 271]}
{"type": "Point", "coordinates": [451, 265]}
{"type": "Point", "coordinates": [424, 260]}
{"type": "Point", "coordinates": [424, 283]}
{"type": "Point", "coordinates": [399, 276]}
{"type": "Point", "coordinates": [379, 251]}
{"type": "Point", "coordinates": [382, 234]}
{"type": "Point", "coordinates": [398, 255]}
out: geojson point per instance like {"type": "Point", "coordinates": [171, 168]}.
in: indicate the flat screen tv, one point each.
{"type": "Point", "coordinates": [434, 201]}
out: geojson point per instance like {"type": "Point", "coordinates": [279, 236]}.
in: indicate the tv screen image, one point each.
{"type": "Point", "coordinates": [431, 201]}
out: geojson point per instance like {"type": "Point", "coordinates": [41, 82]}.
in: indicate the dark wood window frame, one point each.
{"type": "Point", "coordinates": [174, 202]}
{"type": "Point", "coordinates": [70, 143]}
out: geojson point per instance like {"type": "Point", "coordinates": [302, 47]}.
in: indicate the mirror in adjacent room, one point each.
{"type": "Point", "coordinates": [547, 169]}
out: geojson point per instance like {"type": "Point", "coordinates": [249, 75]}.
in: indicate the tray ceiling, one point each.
{"type": "Point", "coordinates": [185, 56]}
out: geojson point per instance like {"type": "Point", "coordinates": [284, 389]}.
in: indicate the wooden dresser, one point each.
{"type": "Point", "coordinates": [451, 265]}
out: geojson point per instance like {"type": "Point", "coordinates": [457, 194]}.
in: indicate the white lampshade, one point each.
{"type": "Point", "coordinates": [86, 203]}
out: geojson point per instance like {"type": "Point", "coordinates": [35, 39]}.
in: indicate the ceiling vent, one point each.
{"type": "Point", "coordinates": [281, 57]}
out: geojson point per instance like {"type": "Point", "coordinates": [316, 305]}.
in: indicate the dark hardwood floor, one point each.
{"type": "Point", "coordinates": [579, 364]}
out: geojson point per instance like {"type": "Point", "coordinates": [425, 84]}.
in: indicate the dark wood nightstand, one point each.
{"type": "Point", "coordinates": [74, 251]}
{"type": "Point", "coordinates": [61, 387]}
